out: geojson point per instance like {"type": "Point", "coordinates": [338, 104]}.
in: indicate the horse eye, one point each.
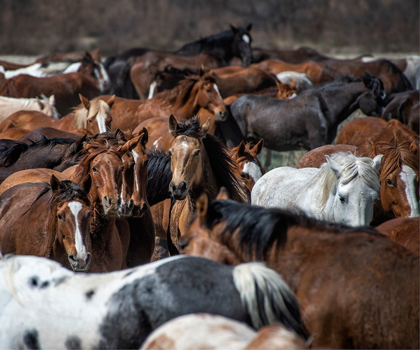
{"type": "Point", "coordinates": [196, 153]}
{"type": "Point", "coordinates": [243, 175]}
{"type": "Point", "coordinates": [90, 121]}
{"type": "Point", "coordinates": [208, 90]}
{"type": "Point", "coordinates": [60, 217]}
{"type": "Point", "coordinates": [94, 169]}
{"type": "Point", "coordinates": [342, 200]}
{"type": "Point", "coordinates": [389, 182]}
{"type": "Point", "coordinates": [122, 169]}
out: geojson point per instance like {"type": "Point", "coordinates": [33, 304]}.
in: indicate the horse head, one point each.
{"type": "Point", "coordinates": [95, 69]}
{"type": "Point", "coordinates": [47, 106]}
{"type": "Point", "coordinates": [187, 159]}
{"type": "Point", "coordinates": [209, 97]}
{"type": "Point", "coordinates": [371, 102]}
{"type": "Point", "coordinates": [242, 44]}
{"type": "Point", "coordinates": [94, 116]}
{"type": "Point", "coordinates": [72, 222]}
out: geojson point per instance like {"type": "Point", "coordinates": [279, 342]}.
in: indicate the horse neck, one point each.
{"type": "Point", "coordinates": [339, 103]}
{"type": "Point", "coordinates": [208, 181]}
{"type": "Point", "coordinates": [66, 123]}
{"type": "Point", "coordinates": [224, 52]}
{"type": "Point", "coordinates": [101, 231]}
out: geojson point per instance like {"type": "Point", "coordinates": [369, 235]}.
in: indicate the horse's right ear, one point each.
{"type": "Point", "coordinates": [202, 206]}
{"type": "Point", "coordinates": [85, 101]}
{"type": "Point", "coordinates": [376, 162]}
{"type": "Point", "coordinates": [111, 101]}
{"type": "Point", "coordinates": [256, 150]}
{"type": "Point", "coordinates": [233, 28]}
{"type": "Point", "coordinates": [414, 146]}
{"type": "Point", "coordinates": [241, 148]}
{"type": "Point", "coordinates": [55, 183]}
{"type": "Point", "coordinates": [223, 194]}
{"type": "Point", "coordinates": [333, 165]}
{"type": "Point", "coordinates": [173, 125]}
{"type": "Point", "coordinates": [249, 27]}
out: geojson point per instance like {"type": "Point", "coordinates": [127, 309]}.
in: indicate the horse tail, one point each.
{"type": "Point", "coordinates": [267, 297]}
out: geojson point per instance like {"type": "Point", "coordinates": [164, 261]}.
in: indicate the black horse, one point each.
{"type": "Point", "coordinates": [309, 120]}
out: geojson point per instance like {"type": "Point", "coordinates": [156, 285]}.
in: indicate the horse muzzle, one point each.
{"type": "Point", "coordinates": [220, 115]}
{"type": "Point", "coordinates": [80, 265]}
{"type": "Point", "coordinates": [111, 205]}
{"type": "Point", "coordinates": [180, 191]}
{"type": "Point", "coordinates": [126, 209]}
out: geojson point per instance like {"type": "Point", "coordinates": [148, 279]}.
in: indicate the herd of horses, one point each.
{"type": "Point", "coordinates": [143, 172]}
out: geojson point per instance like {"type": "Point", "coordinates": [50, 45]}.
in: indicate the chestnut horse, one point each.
{"type": "Point", "coordinates": [49, 220]}
{"type": "Point", "coordinates": [183, 101]}
{"type": "Point", "coordinates": [93, 116]}
{"type": "Point", "coordinates": [335, 271]}
{"type": "Point", "coordinates": [399, 172]}
{"type": "Point", "coordinates": [316, 157]}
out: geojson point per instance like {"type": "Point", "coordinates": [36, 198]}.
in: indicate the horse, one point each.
{"type": "Point", "coordinates": [93, 116]}
{"type": "Point", "coordinates": [342, 191]}
{"type": "Point", "coordinates": [316, 157]}
{"type": "Point", "coordinates": [404, 231]}
{"type": "Point", "coordinates": [122, 308]}
{"type": "Point", "coordinates": [183, 101]}
{"type": "Point", "coordinates": [9, 105]}
{"type": "Point", "coordinates": [249, 167]}
{"type": "Point", "coordinates": [405, 107]}
{"type": "Point", "coordinates": [199, 162]}
{"type": "Point", "coordinates": [59, 217]}
{"type": "Point", "coordinates": [217, 332]}
{"type": "Point", "coordinates": [310, 119]}
{"type": "Point", "coordinates": [356, 131]}
{"type": "Point", "coordinates": [334, 270]}
{"type": "Point", "coordinates": [399, 172]}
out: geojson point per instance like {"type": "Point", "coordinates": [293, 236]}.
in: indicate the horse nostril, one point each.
{"type": "Point", "coordinates": [131, 204]}
{"type": "Point", "coordinates": [73, 258]}
{"type": "Point", "coordinates": [183, 186]}
{"type": "Point", "coordinates": [119, 200]}
{"type": "Point", "coordinates": [88, 259]}
{"type": "Point", "coordinates": [182, 244]}
{"type": "Point", "coordinates": [106, 198]}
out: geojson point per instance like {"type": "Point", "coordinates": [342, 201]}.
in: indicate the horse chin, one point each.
{"type": "Point", "coordinates": [180, 196]}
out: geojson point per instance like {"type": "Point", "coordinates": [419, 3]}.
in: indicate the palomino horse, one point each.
{"type": "Point", "coordinates": [335, 271]}
{"type": "Point", "coordinates": [183, 101]}
{"type": "Point", "coordinates": [216, 332]}
{"type": "Point", "coordinates": [59, 217]}
{"type": "Point", "coordinates": [399, 173]}
{"type": "Point", "coordinates": [404, 231]}
{"type": "Point", "coordinates": [9, 105]}
{"type": "Point", "coordinates": [93, 116]}
{"type": "Point", "coordinates": [342, 191]}
{"type": "Point", "coordinates": [309, 120]}
{"type": "Point", "coordinates": [199, 162]}
{"type": "Point", "coordinates": [122, 308]}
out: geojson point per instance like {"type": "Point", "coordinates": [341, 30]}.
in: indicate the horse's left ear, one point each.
{"type": "Point", "coordinates": [111, 101]}
{"type": "Point", "coordinates": [376, 162]}
{"type": "Point", "coordinates": [51, 100]}
{"type": "Point", "coordinates": [202, 206]}
{"type": "Point", "coordinates": [85, 101]}
{"type": "Point", "coordinates": [40, 104]}
{"type": "Point", "coordinates": [241, 148]}
{"type": "Point", "coordinates": [333, 165]}
{"type": "Point", "coordinates": [249, 27]}
{"type": "Point", "coordinates": [131, 144]}
{"type": "Point", "coordinates": [201, 71]}
{"type": "Point", "coordinates": [205, 127]}
{"type": "Point", "coordinates": [223, 194]}
{"type": "Point", "coordinates": [173, 125]}
{"type": "Point", "coordinates": [55, 183]}
{"type": "Point", "coordinates": [256, 150]}
{"type": "Point", "coordinates": [233, 28]}
{"type": "Point", "coordinates": [144, 136]}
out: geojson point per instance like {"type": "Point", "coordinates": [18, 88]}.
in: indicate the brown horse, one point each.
{"type": "Point", "coordinates": [334, 271]}
{"type": "Point", "coordinates": [183, 101]}
{"type": "Point", "coordinates": [405, 107]}
{"type": "Point", "coordinates": [399, 171]}
{"type": "Point", "coordinates": [50, 220]}
{"type": "Point", "coordinates": [356, 131]}
{"type": "Point", "coordinates": [404, 231]}
{"type": "Point", "coordinates": [93, 116]}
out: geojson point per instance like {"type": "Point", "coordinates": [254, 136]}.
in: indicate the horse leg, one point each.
{"type": "Point", "coordinates": [160, 213]}
{"type": "Point", "coordinates": [267, 158]}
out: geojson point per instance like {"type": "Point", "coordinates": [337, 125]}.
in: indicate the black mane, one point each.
{"type": "Point", "coordinates": [260, 228]}
{"type": "Point", "coordinates": [159, 176]}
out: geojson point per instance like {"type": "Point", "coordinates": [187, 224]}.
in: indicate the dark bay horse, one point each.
{"type": "Point", "coordinates": [335, 271]}
{"type": "Point", "coordinates": [50, 220]}
{"type": "Point", "coordinates": [309, 120]}
{"type": "Point", "coordinates": [404, 106]}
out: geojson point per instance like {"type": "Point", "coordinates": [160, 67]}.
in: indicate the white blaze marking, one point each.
{"type": "Point", "coordinates": [135, 155]}
{"type": "Point", "coordinates": [253, 170]}
{"type": "Point", "coordinates": [217, 90]}
{"type": "Point", "coordinates": [98, 78]}
{"type": "Point", "coordinates": [101, 123]}
{"type": "Point", "coordinates": [408, 176]}
{"type": "Point", "coordinates": [75, 207]}
{"type": "Point", "coordinates": [246, 38]}
{"type": "Point", "coordinates": [293, 96]}
{"type": "Point", "coordinates": [73, 68]}
{"type": "Point", "coordinates": [104, 73]}
{"type": "Point", "coordinates": [152, 89]}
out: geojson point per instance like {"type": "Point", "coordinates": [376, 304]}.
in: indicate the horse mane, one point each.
{"type": "Point", "coordinates": [180, 94]}
{"type": "Point", "coordinates": [394, 144]}
{"type": "Point", "coordinates": [222, 165]}
{"type": "Point", "coordinates": [82, 115]}
{"type": "Point", "coordinates": [258, 229]}
{"type": "Point", "coordinates": [352, 166]}
{"type": "Point", "coordinates": [159, 176]}
{"type": "Point", "coordinates": [10, 154]}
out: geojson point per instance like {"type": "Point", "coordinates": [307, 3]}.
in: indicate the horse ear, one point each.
{"type": "Point", "coordinates": [85, 101]}
{"type": "Point", "coordinates": [205, 127]}
{"type": "Point", "coordinates": [55, 183]}
{"type": "Point", "coordinates": [173, 125]}
{"type": "Point", "coordinates": [376, 162]}
{"type": "Point", "coordinates": [144, 136]}
{"type": "Point", "coordinates": [241, 148]}
{"type": "Point", "coordinates": [40, 104]}
{"type": "Point", "coordinates": [249, 27]}
{"type": "Point", "coordinates": [333, 165]}
{"type": "Point", "coordinates": [256, 150]}
{"type": "Point", "coordinates": [111, 101]}
{"type": "Point", "coordinates": [223, 194]}
{"type": "Point", "coordinates": [414, 146]}
{"type": "Point", "coordinates": [202, 206]}
{"type": "Point", "coordinates": [201, 71]}
{"type": "Point", "coordinates": [131, 144]}
{"type": "Point", "coordinates": [96, 54]}
{"type": "Point", "coordinates": [52, 100]}
{"type": "Point", "coordinates": [234, 30]}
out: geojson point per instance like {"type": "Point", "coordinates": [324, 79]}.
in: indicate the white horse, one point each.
{"type": "Point", "coordinates": [342, 191]}
{"type": "Point", "coordinates": [46, 306]}
{"type": "Point", "coordinates": [301, 81]}
{"type": "Point", "coordinates": [10, 105]}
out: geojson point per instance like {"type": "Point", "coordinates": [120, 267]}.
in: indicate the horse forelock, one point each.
{"type": "Point", "coordinates": [69, 191]}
